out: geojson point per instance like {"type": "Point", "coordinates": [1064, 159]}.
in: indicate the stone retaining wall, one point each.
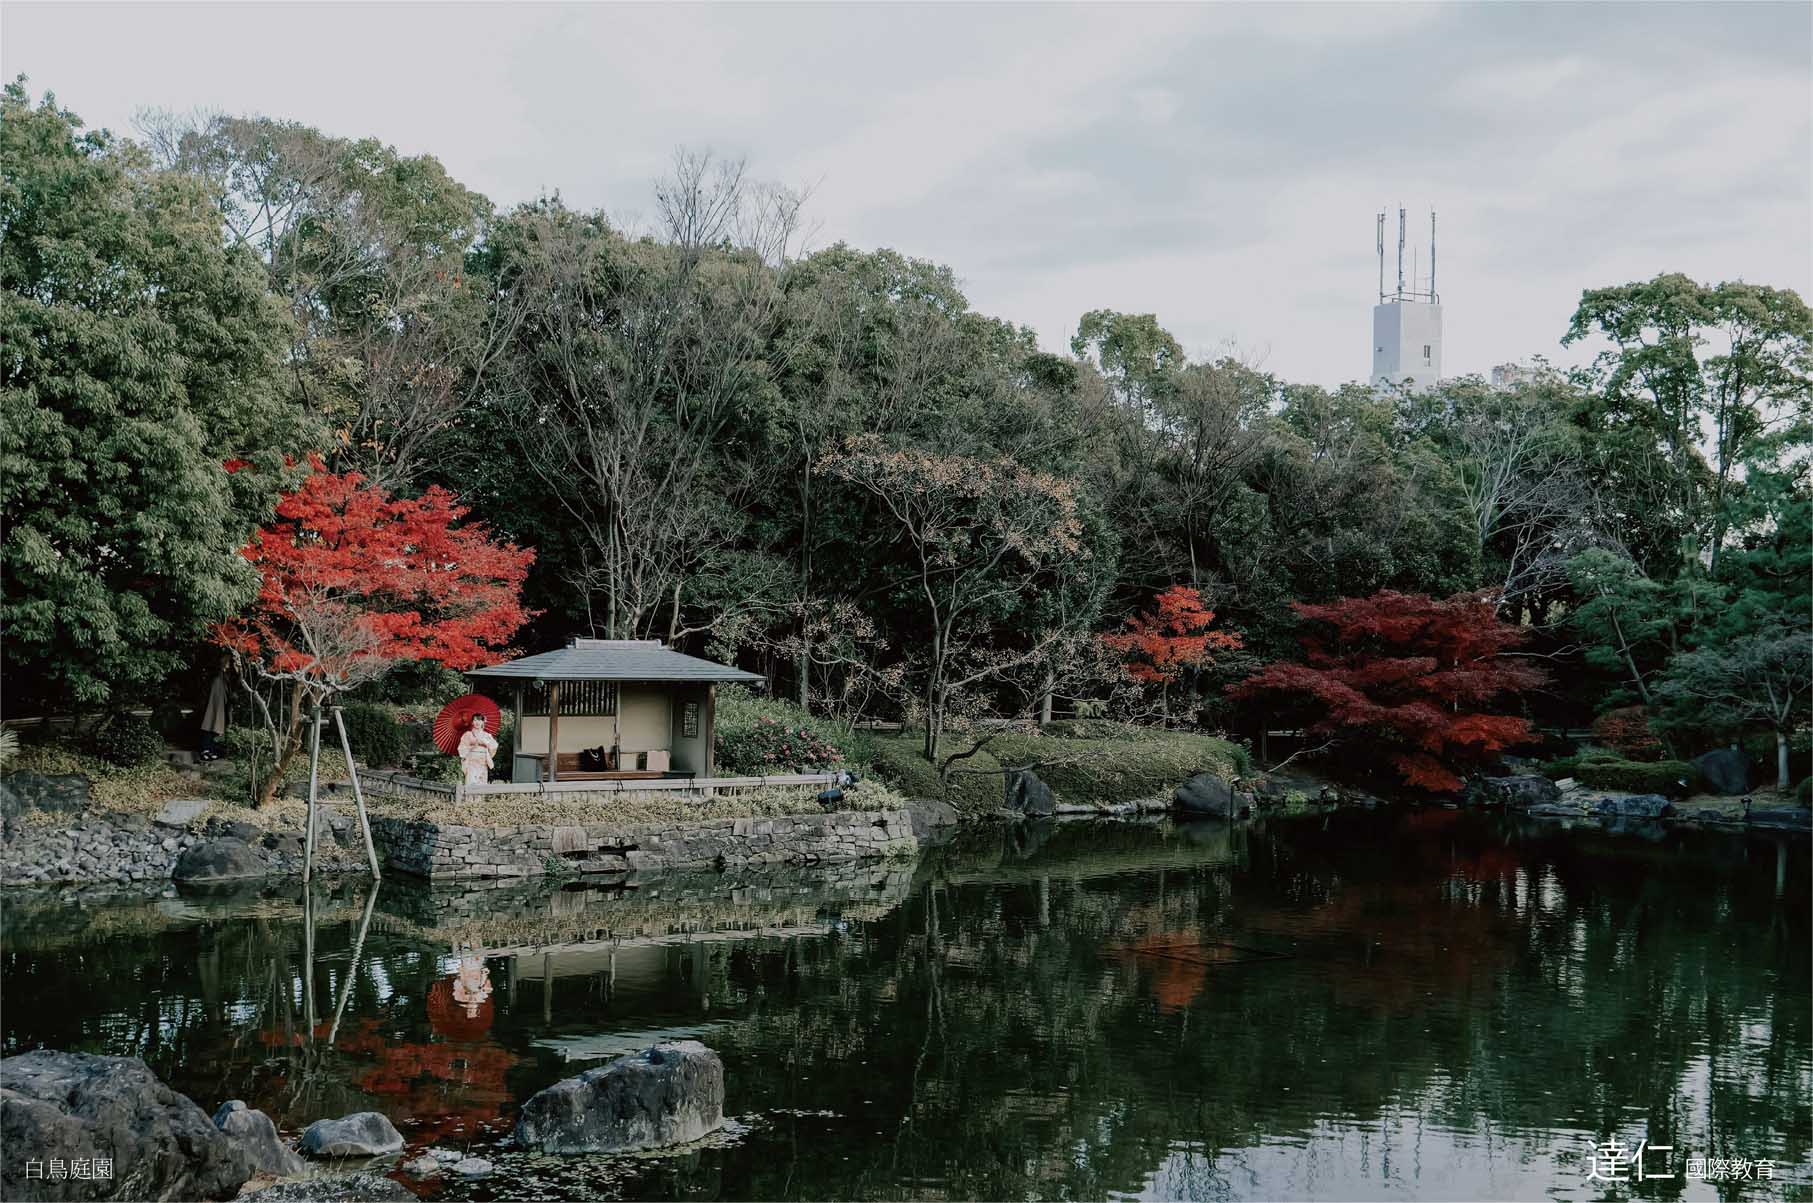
{"type": "Point", "coordinates": [449, 851]}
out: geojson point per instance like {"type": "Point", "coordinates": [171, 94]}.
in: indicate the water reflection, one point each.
{"type": "Point", "coordinates": [1427, 1005]}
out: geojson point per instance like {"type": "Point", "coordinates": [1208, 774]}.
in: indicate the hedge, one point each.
{"type": "Point", "coordinates": [1674, 778]}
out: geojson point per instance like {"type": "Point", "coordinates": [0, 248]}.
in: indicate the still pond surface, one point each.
{"type": "Point", "coordinates": [1392, 1005]}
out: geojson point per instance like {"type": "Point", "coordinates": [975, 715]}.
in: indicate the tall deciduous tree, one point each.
{"type": "Point", "coordinates": [140, 355]}
{"type": "Point", "coordinates": [1412, 676]}
{"type": "Point", "coordinates": [1704, 370]}
{"type": "Point", "coordinates": [368, 248]}
{"type": "Point", "coordinates": [976, 533]}
{"type": "Point", "coordinates": [352, 581]}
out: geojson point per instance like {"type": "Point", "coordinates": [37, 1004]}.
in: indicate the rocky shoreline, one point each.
{"type": "Point", "coordinates": [121, 1134]}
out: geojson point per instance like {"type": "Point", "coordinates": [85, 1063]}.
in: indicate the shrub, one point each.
{"type": "Point", "coordinates": [377, 737]}
{"type": "Point", "coordinates": [1803, 793]}
{"type": "Point", "coordinates": [764, 735]}
{"type": "Point", "coordinates": [1653, 777]}
{"type": "Point", "coordinates": [126, 740]}
{"type": "Point", "coordinates": [1627, 732]}
{"type": "Point", "coordinates": [771, 746]}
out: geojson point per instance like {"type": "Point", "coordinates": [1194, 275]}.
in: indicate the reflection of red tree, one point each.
{"type": "Point", "coordinates": [1176, 979]}
{"type": "Point", "coordinates": [436, 1090]}
{"type": "Point", "coordinates": [450, 1088]}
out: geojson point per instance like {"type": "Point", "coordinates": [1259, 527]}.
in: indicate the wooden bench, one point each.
{"type": "Point", "coordinates": [568, 765]}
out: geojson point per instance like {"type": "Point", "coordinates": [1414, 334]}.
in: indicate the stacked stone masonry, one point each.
{"type": "Point", "coordinates": [450, 851]}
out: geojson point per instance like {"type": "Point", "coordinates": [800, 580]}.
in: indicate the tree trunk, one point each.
{"type": "Point", "coordinates": [292, 744]}
{"type": "Point", "coordinates": [1781, 760]}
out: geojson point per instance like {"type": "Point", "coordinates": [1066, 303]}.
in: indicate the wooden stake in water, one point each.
{"type": "Point", "coordinates": [352, 770]}
{"type": "Point", "coordinates": [314, 775]}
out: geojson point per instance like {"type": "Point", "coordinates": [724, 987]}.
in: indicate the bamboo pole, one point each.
{"type": "Point", "coordinates": [352, 770]}
{"type": "Point", "coordinates": [352, 969]}
{"type": "Point", "coordinates": [314, 774]}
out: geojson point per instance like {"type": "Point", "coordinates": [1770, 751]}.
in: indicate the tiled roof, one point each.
{"type": "Point", "coordinates": [614, 660]}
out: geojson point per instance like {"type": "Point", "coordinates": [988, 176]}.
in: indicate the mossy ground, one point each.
{"type": "Point", "coordinates": [1082, 762]}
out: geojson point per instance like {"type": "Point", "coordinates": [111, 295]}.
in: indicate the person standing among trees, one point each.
{"type": "Point", "coordinates": [214, 714]}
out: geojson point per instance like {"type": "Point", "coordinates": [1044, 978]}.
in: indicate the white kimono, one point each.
{"type": "Point", "coordinates": [477, 751]}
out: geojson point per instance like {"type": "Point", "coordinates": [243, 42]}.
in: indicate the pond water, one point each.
{"type": "Point", "coordinates": [1399, 1004]}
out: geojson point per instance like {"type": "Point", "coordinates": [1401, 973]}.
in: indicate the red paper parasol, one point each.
{"type": "Point", "coordinates": [456, 717]}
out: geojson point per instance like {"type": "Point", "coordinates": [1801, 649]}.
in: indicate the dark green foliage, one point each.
{"type": "Point", "coordinates": [378, 739]}
{"type": "Point", "coordinates": [140, 356]}
{"type": "Point", "coordinates": [127, 740]}
{"type": "Point", "coordinates": [1803, 793]}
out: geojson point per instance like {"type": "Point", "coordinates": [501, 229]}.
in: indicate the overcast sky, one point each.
{"type": "Point", "coordinates": [1220, 165]}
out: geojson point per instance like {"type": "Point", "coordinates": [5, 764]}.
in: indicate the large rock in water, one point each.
{"type": "Point", "coordinates": [361, 1134]}
{"type": "Point", "coordinates": [1207, 794]}
{"type": "Point", "coordinates": [224, 859]}
{"type": "Point", "coordinates": [1635, 806]}
{"type": "Point", "coordinates": [1521, 791]}
{"type": "Point", "coordinates": [1726, 770]}
{"type": "Point", "coordinates": [1028, 795]}
{"type": "Point", "coordinates": [257, 1136]}
{"type": "Point", "coordinates": [78, 1106]}
{"type": "Point", "coordinates": [668, 1095]}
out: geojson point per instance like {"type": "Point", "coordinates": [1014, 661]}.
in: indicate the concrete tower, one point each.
{"type": "Point", "coordinates": [1407, 322]}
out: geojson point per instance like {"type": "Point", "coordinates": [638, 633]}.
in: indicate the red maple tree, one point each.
{"type": "Point", "coordinates": [353, 581]}
{"type": "Point", "coordinates": [1175, 636]}
{"type": "Point", "coordinates": [1627, 732]}
{"type": "Point", "coordinates": [1412, 675]}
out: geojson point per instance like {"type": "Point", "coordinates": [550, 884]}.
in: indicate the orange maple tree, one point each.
{"type": "Point", "coordinates": [1412, 675]}
{"type": "Point", "coordinates": [1174, 637]}
{"type": "Point", "coordinates": [353, 581]}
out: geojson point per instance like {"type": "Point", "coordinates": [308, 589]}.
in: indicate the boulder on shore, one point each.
{"type": "Point", "coordinates": [78, 1106]}
{"type": "Point", "coordinates": [1725, 770]}
{"type": "Point", "coordinates": [928, 815]}
{"type": "Point", "coordinates": [1207, 794]}
{"type": "Point", "coordinates": [223, 859]}
{"type": "Point", "coordinates": [361, 1134]}
{"type": "Point", "coordinates": [1028, 795]}
{"type": "Point", "coordinates": [257, 1136]}
{"type": "Point", "coordinates": [671, 1094]}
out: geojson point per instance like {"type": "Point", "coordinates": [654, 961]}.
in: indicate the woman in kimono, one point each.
{"type": "Point", "coordinates": [478, 749]}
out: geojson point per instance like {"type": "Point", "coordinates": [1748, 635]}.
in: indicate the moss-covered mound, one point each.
{"type": "Point", "coordinates": [1082, 762]}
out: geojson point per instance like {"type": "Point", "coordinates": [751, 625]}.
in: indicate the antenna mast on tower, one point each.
{"type": "Point", "coordinates": [1400, 250]}
{"type": "Point", "coordinates": [1414, 290]}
